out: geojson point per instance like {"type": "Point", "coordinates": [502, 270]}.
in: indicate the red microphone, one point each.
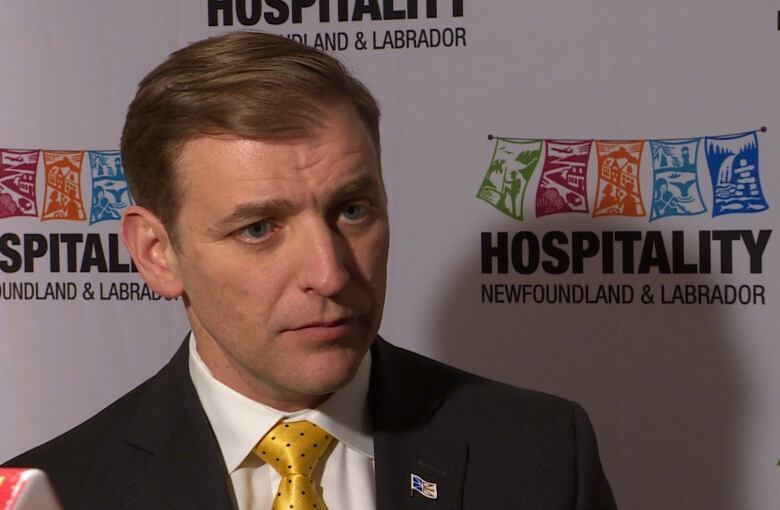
{"type": "Point", "coordinates": [26, 489]}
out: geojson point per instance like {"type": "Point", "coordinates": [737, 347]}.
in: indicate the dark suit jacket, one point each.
{"type": "Point", "coordinates": [485, 444]}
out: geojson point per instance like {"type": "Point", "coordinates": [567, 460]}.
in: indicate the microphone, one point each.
{"type": "Point", "coordinates": [26, 489]}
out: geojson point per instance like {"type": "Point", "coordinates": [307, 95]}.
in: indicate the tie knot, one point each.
{"type": "Point", "coordinates": [293, 447]}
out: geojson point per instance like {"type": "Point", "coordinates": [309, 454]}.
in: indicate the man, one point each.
{"type": "Point", "coordinates": [255, 164]}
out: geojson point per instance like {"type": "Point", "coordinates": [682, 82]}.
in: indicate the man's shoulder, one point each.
{"type": "Point", "coordinates": [538, 446]}
{"type": "Point", "coordinates": [105, 446]}
{"type": "Point", "coordinates": [83, 438]}
{"type": "Point", "coordinates": [480, 396]}
{"type": "Point", "coordinates": [86, 451]}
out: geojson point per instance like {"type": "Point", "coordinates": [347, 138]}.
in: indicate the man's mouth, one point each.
{"type": "Point", "coordinates": [330, 329]}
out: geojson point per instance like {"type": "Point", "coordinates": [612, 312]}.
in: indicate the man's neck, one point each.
{"type": "Point", "coordinates": [230, 373]}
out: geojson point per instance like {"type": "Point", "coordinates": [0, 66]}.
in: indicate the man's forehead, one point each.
{"type": "Point", "coordinates": [236, 170]}
{"type": "Point", "coordinates": [328, 158]}
{"type": "Point", "coordinates": [339, 127]}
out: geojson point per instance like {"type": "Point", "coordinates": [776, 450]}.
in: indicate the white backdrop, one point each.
{"type": "Point", "coordinates": [684, 396]}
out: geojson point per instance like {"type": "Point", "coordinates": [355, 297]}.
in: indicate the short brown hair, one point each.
{"type": "Point", "coordinates": [247, 84]}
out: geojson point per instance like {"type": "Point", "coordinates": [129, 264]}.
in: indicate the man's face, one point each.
{"type": "Point", "coordinates": [282, 255]}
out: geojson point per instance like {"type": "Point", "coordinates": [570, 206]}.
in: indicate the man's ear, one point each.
{"type": "Point", "coordinates": [152, 250]}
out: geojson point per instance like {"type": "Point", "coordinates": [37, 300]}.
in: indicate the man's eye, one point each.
{"type": "Point", "coordinates": [256, 231]}
{"type": "Point", "coordinates": [354, 212]}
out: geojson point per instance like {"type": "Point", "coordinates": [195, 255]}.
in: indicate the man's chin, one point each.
{"type": "Point", "coordinates": [330, 371]}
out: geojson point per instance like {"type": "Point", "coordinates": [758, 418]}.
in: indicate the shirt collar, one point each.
{"type": "Point", "coordinates": [240, 422]}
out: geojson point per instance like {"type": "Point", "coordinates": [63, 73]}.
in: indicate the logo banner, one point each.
{"type": "Point", "coordinates": [563, 186]}
{"type": "Point", "coordinates": [619, 191]}
{"type": "Point", "coordinates": [63, 186]}
{"type": "Point", "coordinates": [511, 167]}
{"type": "Point", "coordinates": [733, 163]}
{"type": "Point", "coordinates": [675, 179]}
{"type": "Point", "coordinates": [110, 195]}
{"type": "Point", "coordinates": [18, 171]}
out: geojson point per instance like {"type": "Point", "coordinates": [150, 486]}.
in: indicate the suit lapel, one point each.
{"type": "Point", "coordinates": [403, 400]}
{"type": "Point", "coordinates": [399, 455]}
{"type": "Point", "coordinates": [185, 468]}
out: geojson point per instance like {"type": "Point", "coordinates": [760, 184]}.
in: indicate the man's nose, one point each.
{"type": "Point", "coordinates": [324, 253]}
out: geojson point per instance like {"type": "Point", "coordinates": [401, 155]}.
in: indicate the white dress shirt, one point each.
{"type": "Point", "coordinates": [345, 473]}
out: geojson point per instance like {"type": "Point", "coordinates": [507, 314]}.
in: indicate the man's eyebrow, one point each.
{"type": "Point", "coordinates": [255, 210]}
{"type": "Point", "coordinates": [279, 207]}
{"type": "Point", "coordinates": [360, 184]}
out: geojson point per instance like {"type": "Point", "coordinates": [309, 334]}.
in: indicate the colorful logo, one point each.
{"type": "Point", "coordinates": [732, 161]}
{"type": "Point", "coordinates": [504, 186]}
{"type": "Point", "coordinates": [62, 185]}
{"type": "Point", "coordinates": [110, 194]}
{"type": "Point", "coordinates": [18, 170]}
{"type": "Point", "coordinates": [618, 190]}
{"type": "Point", "coordinates": [563, 185]}
{"type": "Point", "coordinates": [675, 179]}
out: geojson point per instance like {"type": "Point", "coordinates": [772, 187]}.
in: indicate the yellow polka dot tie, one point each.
{"type": "Point", "coordinates": [293, 449]}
